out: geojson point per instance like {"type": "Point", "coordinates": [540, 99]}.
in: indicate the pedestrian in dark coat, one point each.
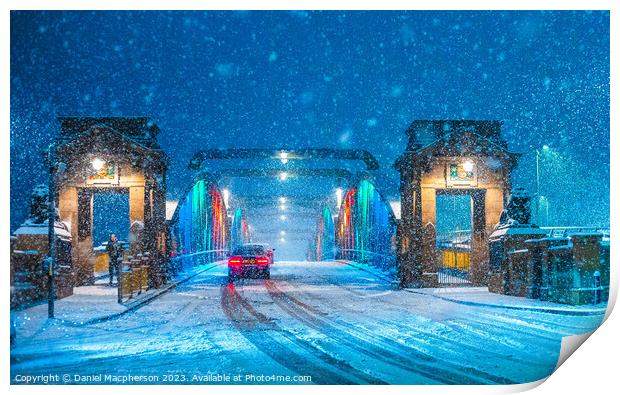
{"type": "Point", "coordinates": [115, 251]}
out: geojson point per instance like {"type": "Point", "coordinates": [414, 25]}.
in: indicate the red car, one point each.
{"type": "Point", "coordinates": [250, 260]}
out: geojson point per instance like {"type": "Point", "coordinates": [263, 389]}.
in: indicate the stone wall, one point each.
{"type": "Point", "coordinates": [572, 270]}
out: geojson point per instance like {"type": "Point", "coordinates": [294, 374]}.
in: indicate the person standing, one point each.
{"type": "Point", "coordinates": [115, 251]}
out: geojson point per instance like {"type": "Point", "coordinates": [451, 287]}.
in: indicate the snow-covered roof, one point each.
{"type": "Point", "coordinates": [518, 230]}
{"type": "Point", "coordinates": [61, 229]}
{"type": "Point", "coordinates": [137, 225]}
{"type": "Point", "coordinates": [139, 130]}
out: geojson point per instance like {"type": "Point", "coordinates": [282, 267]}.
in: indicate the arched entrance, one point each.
{"type": "Point", "coordinates": [117, 154]}
{"type": "Point", "coordinates": [450, 158]}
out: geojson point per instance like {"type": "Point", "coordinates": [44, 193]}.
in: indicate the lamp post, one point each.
{"type": "Point", "coordinates": [538, 196]}
{"type": "Point", "coordinates": [51, 233]}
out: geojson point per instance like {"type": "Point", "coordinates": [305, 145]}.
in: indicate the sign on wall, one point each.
{"type": "Point", "coordinates": [461, 173]}
{"type": "Point", "coordinates": [107, 174]}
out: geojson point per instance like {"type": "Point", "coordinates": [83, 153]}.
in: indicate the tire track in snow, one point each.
{"type": "Point", "coordinates": [378, 346]}
{"type": "Point", "coordinates": [256, 328]}
{"type": "Point", "coordinates": [472, 316]}
{"type": "Point", "coordinates": [441, 340]}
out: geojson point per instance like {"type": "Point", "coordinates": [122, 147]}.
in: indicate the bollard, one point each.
{"type": "Point", "coordinates": [597, 288]}
{"type": "Point", "coordinates": [119, 285]}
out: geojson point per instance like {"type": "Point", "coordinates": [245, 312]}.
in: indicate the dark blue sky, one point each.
{"type": "Point", "coordinates": [336, 79]}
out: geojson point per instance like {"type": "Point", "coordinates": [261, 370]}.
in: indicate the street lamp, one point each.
{"type": "Point", "coordinates": [282, 233]}
{"type": "Point", "coordinates": [51, 231]}
{"type": "Point", "coordinates": [226, 196]}
{"type": "Point", "coordinates": [338, 197]}
{"type": "Point", "coordinates": [545, 148]}
{"type": "Point", "coordinates": [282, 200]}
{"type": "Point", "coordinates": [283, 157]}
{"type": "Point", "coordinates": [283, 217]}
{"type": "Point", "coordinates": [283, 176]}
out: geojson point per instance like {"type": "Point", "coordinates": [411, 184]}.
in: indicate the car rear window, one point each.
{"type": "Point", "coordinates": [249, 250]}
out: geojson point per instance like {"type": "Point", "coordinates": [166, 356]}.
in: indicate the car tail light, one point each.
{"type": "Point", "coordinates": [235, 260]}
{"type": "Point", "coordinates": [262, 260]}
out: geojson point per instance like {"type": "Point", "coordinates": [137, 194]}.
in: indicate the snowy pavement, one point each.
{"type": "Point", "coordinates": [313, 322]}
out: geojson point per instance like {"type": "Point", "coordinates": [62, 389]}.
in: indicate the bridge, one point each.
{"type": "Point", "coordinates": [283, 198]}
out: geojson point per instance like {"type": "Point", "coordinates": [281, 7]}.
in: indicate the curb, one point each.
{"type": "Point", "coordinates": [380, 277]}
{"type": "Point", "coordinates": [139, 303]}
{"type": "Point", "coordinates": [548, 310]}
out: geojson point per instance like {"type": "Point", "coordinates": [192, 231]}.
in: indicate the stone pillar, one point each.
{"type": "Point", "coordinates": [83, 249]}
{"type": "Point", "coordinates": [508, 258]}
{"type": "Point", "coordinates": [478, 268]}
{"type": "Point", "coordinates": [136, 219]}
{"type": "Point", "coordinates": [429, 257]}
{"type": "Point", "coordinates": [408, 229]}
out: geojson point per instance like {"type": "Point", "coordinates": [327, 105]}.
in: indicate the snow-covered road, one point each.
{"type": "Point", "coordinates": [326, 320]}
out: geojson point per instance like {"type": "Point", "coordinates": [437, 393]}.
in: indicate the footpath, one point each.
{"type": "Point", "coordinates": [480, 296]}
{"type": "Point", "coordinates": [95, 303]}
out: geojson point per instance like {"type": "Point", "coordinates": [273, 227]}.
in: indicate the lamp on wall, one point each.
{"type": "Point", "coordinates": [468, 166]}
{"type": "Point", "coordinates": [97, 164]}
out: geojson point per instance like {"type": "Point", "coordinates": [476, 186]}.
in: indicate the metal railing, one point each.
{"type": "Point", "coordinates": [457, 239]}
{"type": "Point", "coordinates": [136, 275]}
{"type": "Point", "coordinates": [181, 263]}
{"type": "Point", "coordinates": [384, 262]}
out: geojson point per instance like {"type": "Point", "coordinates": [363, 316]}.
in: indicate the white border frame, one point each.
{"type": "Point", "coordinates": [591, 370]}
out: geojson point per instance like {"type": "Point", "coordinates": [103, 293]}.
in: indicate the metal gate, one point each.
{"type": "Point", "coordinates": [454, 267]}
{"type": "Point", "coordinates": [454, 250]}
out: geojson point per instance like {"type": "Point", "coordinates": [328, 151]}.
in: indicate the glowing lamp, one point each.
{"type": "Point", "coordinates": [226, 196]}
{"type": "Point", "coordinates": [468, 166]}
{"type": "Point", "coordinates": [338, 197]}
{"type": "Point", "coordinates": [97, 164]}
